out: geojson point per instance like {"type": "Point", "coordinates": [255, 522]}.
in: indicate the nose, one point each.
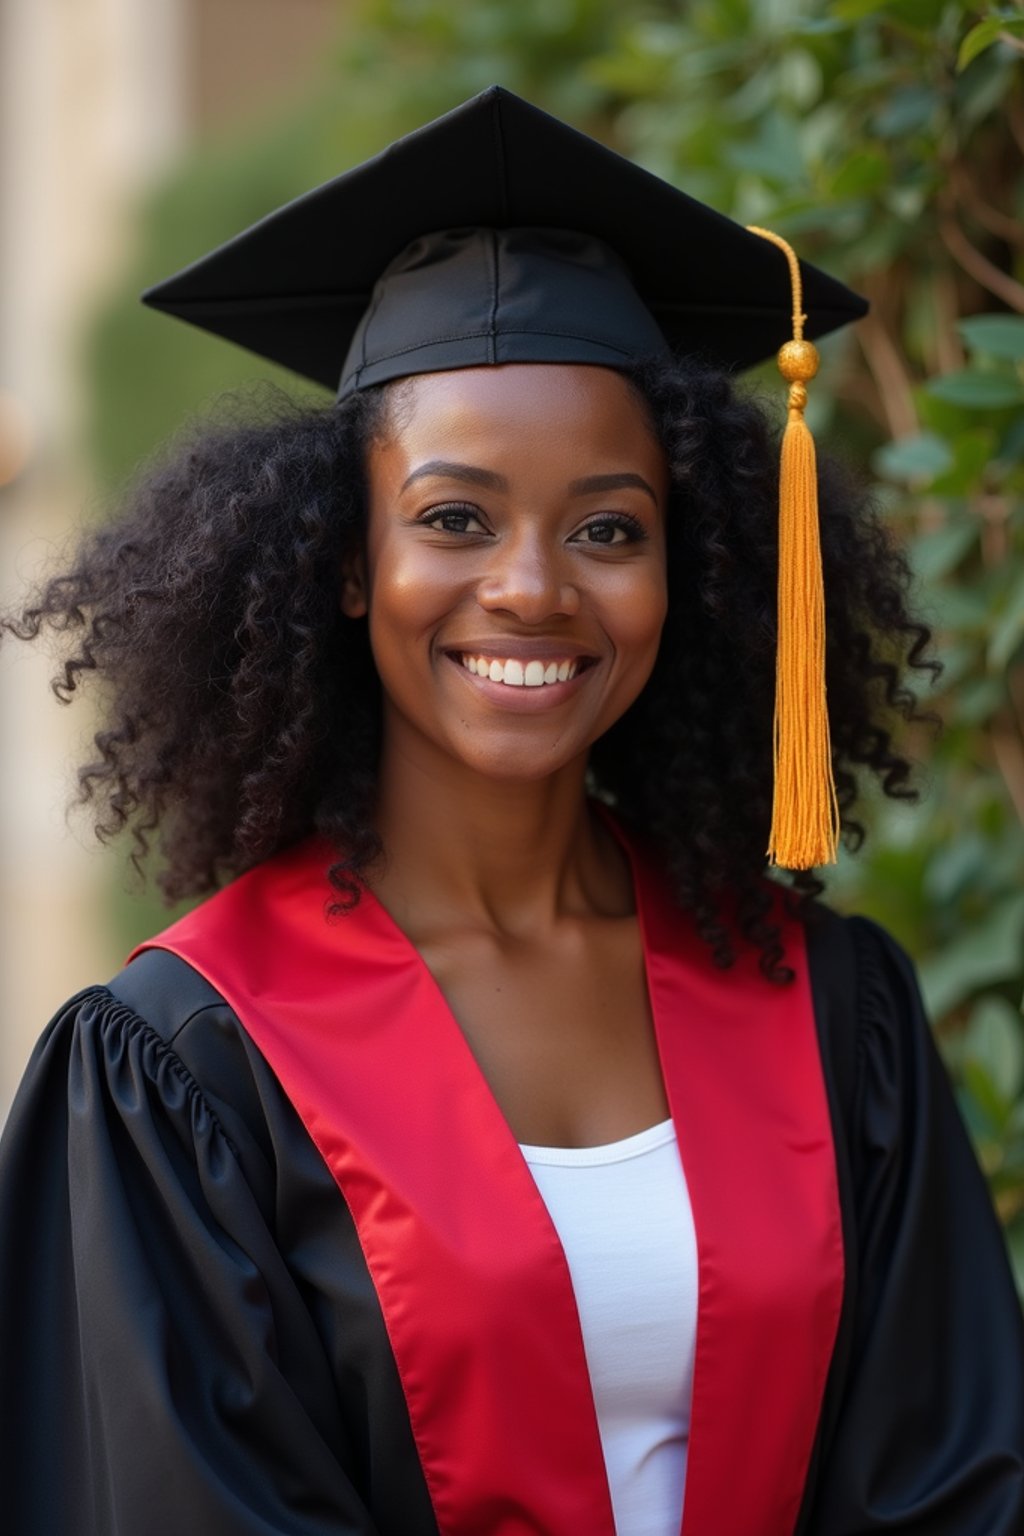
{"type": "Point", "coordinates": [527, 578]}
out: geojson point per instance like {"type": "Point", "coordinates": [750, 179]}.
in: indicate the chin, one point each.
{"type": "Point", "coordinates": [518, 763]}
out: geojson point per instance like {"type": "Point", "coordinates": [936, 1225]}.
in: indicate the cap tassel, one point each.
{"type": "Point", "coordinates": [805, 810]}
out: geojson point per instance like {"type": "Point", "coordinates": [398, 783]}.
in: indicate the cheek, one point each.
{"type": "Point", "coordinates": [410, 592]}
{"type": "Point", "coordinates": [636, 615]}
{"type": "Point", "coordinates": [398, 582]}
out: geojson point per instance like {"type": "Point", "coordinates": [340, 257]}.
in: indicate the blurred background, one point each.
{"type": "Point", "coordinates": [885, 141]}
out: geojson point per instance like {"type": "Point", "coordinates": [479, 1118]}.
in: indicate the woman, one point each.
{"type": "Point", "coordinates": [498, 1152]}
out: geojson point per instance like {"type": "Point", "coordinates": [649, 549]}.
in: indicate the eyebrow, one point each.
{"type": "Point", "coordinates": [625, 481]}
{"type": "Point", "coordinates": [470, 474]}
{"type": "Point", "coordinates": [448, 470]}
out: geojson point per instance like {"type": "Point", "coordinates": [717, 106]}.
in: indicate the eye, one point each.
{"type": "Point", "coordinates": [611, 528]}
{"type": "Point", "coordinates": [453, 518]}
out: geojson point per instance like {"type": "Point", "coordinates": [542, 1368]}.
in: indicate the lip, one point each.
{"type": "Point", "coordinates": [524, 701]}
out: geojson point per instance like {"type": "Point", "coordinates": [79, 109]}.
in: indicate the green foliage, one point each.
{"type": "Point", "coordinates": [884, 138]}
{"type": "Point", "coordinates": [999, 26]}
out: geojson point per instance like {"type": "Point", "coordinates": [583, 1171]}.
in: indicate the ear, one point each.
{"type": "Point", "coordinates": [354, 604]}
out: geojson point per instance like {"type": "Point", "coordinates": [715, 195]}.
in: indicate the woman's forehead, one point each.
{"type": "Point", "coordinates": [522, 407]}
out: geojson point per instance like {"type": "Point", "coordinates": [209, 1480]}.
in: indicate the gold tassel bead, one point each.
{"type": "Point", "coordinates": [798, 361]}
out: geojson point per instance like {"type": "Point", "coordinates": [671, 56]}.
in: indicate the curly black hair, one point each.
{"type": "Point", "coordinates": [243, 708]}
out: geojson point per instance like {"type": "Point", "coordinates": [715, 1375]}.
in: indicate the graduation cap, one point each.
{"type": "Point", "coordinates": [497, 234]}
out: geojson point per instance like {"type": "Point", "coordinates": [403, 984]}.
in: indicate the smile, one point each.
{"type": "Point", "coordinates": [517, 674]}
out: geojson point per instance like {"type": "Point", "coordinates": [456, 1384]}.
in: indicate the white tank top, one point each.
{"type": "Point", "coordinates": [622, 1214]}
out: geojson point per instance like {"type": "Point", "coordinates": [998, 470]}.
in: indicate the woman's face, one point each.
{"type": "Point", "coordinates": [514, 569]}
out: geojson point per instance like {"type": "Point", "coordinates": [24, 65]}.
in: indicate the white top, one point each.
{"type": "Point", "coordinates": [622, 1214]}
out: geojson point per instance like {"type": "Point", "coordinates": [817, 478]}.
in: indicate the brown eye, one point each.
{"type": "Point", "coordinates": [452, 519]}
{"type": "Point", "coordinates": [619, 529]}
{"type": "Point", "coordinates": [604, 533]}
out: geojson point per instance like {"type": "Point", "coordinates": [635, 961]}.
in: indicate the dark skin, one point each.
{"type": "Point", "coordinates": [517, 520]}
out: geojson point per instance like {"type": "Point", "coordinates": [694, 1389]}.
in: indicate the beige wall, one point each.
{"type": "Point", "coordinates": [96, 97]}
{"type": "Point", "coordinates": [243, 54]}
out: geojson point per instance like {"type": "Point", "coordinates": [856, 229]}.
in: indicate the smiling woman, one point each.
{"type": "Point", "coordinates": [498, 1151]}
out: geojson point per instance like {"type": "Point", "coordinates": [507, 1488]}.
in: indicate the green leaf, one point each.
{"type": "Point", "coordinates": [977, 700]}
{"type": "Point", "coordinates": [959, 609]}
{"type": "Point", "coordinates": [982, 956]}
{"type": "Point", "coordinates": [957, 658]}
{"type": "Point", "coordinates": [799, 79]}
{"type": "Point", "coordinates": [973, 451]}
{"type": "Point", "coordinates": [774, 153]}
{"type": "Point", "coordinates": [918, 458]}
{"type": "Point", "coordinates": [936, 553]}
{"type": "Point", "coordinates": [994, 1039]}
{"type": "Point", "coordinates": [818, 26]}
{"type": "Point", "coordinates": [1008, 631]}
{"type": "Point", "coordinates": [955, 865]}
{"type": "Point", "coordinates": [856, 10]}
{"type": "Point", "coordinates": [908, 109]}
{"type": "Point", "coordinates": [984, 1089]}
{"type": "Point", "coordinates": [983, 35]}
{"type": "Point", "coordinates": [997, 335]}
{"type": "Point", "coordinates": [863, 172]}
{"type": "Point", "coordinates": [907, 202]}
{"type": "Point", "coordinates": [978, 391]}
{"type": "Point", "coordinates": [1011, 447]}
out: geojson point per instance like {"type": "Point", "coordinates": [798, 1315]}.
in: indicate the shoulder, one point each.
{"type": "Point", "coordinates": [874, 1034]}
{"type": "Point", "coordinates": [194, 1027]}
{"type": "Point", "coordinates": [165, 992]}
{"type": "Point", "coordinates": [155, 1060]}
{"type": "Point", "coordinates": [857, 968]}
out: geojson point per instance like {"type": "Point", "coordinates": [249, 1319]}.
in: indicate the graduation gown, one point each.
{"type": "Point", "coordinates": [271, 1263]}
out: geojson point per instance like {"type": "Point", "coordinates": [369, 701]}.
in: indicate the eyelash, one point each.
{"type": "Point", "coordinates": [434, 516]}
{"type": "Point", "coordinates": [630, 526]}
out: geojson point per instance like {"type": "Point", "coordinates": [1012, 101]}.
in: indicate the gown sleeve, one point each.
{"type": "Point", "coordinates": [159, 1371]}
{"type": "Point", "coordinates": [927, 1413]}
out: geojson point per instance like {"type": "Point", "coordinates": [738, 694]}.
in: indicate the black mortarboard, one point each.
{"type": "Point", "coordinates": [505, 236]}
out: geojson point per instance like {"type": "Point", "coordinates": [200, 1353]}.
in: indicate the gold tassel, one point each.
{"type": "Point", "coordinates": [805, 811]}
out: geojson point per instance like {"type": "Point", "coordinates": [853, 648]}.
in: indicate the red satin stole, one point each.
{"type": "Point", "coordinates": [470, 1275]}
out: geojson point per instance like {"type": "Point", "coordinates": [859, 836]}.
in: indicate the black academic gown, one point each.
{"type": "Point", "coordinates": [192, 1342]}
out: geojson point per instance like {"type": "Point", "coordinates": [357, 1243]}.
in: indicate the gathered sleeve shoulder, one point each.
{"type": "Point", "coordinates": [923, 1431]}
{"type": "Point", "coordinates": [160, 1370]}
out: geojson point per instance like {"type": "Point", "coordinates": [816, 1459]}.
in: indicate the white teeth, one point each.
{"type": "Point", "coordinates": [514, 674]}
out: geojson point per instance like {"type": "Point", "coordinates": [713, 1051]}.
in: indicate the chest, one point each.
{"type": "Point", "coordinates": [561, 1030]}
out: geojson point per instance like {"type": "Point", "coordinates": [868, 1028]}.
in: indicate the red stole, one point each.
{"type": "Point", "coordinates": [470, 1275]}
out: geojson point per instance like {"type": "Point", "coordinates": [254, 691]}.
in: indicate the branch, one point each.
{"type": "Point", "coordinates": [891, 377]}
{"type": "Point", "coordinates": [992, 219]}
{"type": "Point", "coordinates": [1011, 41]}
{"type": "Point", "coordinates": [995, 535]}
{"type": "Point", "coordinates": [945, 341]}
{"type": "Point", "coordinates": [861, 390]}
{"type": "Point", "coordinates": [979, 267]}
{"type": "Point", "coordinates": [1015, 118]}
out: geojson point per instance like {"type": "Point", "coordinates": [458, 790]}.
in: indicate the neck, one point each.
{"type": "Point", "coordinates": [510, 855]}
